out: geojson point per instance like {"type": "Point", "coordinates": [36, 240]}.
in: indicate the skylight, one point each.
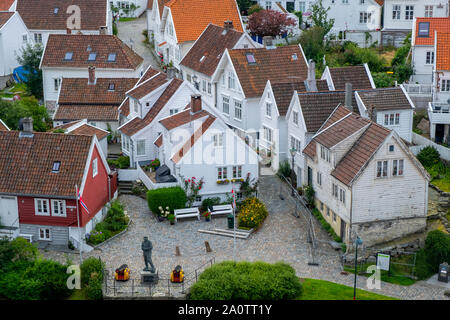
{"type": "Point", "coordinates": [56, 165]}
{"type": "Point", "coordinates": [112, 57]}
{"type": "Point", "coordinates": [111, 87]}
{"type": "Point", "coordinates": [250, 58]}
{"type": "Point", "coordinates": [294, 56]}
{"type": "Point", "coordinates": [424, 29]}
{"type": "Point", "coordinates": [92, 56]}
{"type": "Point", "coordinates": [68, 56]}
{"type": "Point", "coordinates": [55, 11]}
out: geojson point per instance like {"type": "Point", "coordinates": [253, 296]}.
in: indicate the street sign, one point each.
{"type": "Point", "coordinates": [383, 261]}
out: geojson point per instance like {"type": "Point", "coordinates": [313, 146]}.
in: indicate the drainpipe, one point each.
{"type": "Point", "coordinates": [109, 188]}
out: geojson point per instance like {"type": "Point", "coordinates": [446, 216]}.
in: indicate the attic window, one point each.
{"type": "Point", "coordinates": [68, 56]}
{"type": "Point", "coordinates": [250, 58]}
{"type": "Point", "coordinates": [111, 87]}
{"type": "Point", "coordinates": [56, 166]}
{"type": "Point", "coordinates": [294, 56]}
{"type": "Point", "coordinates": [92, 56]}
{"type": "Point", "coordinates": [111, 57]}
{"type": "Point", "coordinates": [424, 29]}
{"type": "Point", "coordinates": [55, 11]}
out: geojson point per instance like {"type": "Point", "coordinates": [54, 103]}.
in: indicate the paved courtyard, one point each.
{"type": "Point", "coordinates": [281, 238]}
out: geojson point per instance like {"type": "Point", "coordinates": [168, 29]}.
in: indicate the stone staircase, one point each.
{"type": "Point", "coordinates": [125, 187]}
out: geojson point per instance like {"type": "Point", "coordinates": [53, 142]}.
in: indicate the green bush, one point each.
{"type": "Point", "coordinates": [309, 194]}
{"type": "Point", "coordinates": [52, 277]}
{"type": "Point", "coordinates": [94, 290]}
{"type": "Point", "coordinates": [252, 213]}
{"type": "Point", "coordinates": [115, 219]}
{"type": "Point", "coordinates": [383, 79]}
{"type": "Point", "coordinates": [173, 197]}
{"type": "Point", "coordinates": [437, 248]}
{"type": "Point", "coordinates": [429, 156]}
{"type": "Point", "coordinates": [91, 267]}
{"type": "Point", "coordinates": [209, 202]}
{"type": "Point", "coordinates": [284, 169]}
{"type": "Point", "coordinates": [247, 281]}
{"type": "Point", "coordinates": [423, 268]}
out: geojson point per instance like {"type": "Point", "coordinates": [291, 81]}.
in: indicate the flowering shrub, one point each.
{"type": "Point", "coordinates": [252, 213]}
{"type": "Point", "coordinates": [96, 237]}
{"type": "Point", "coordinates": [155, 164]}
{"type": "Point", "coordinates": [192, 187]}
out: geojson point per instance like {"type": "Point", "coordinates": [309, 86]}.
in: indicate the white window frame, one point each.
{"type": "Point", "coordinates": [319, 178]}
{"type": "Point", "coordinates": [38, 37]}
{"type": "Point", "coordinates": [227, 112]}
{"type": "Point", "coordinates": [429, 58]}
{"type": "Point", "coordinates": [238, 110]}
{"type": "Point", "coordinates": [94, 167]}
{"type": "Point", "coordinates": [335, 190]}
{"type": "Point", "coordinates": [445, 85]}
{"type": "Point", "coordinates": [398, 168]}
{"type": "Point", "coordinates": [409, 12]}
{"type": "Point", "coordinates": [45, 238]}
{"type": "Point", "coordinates": [38, 212]}
{"type": "Point", "coordinates": [237, 172]}
{"type": "Point", "coordinates": [296, 144]}
{"type": "Point", "coordinates": [268, 134]}
{"type": "Point", "coordinates": [342, 195]}
{"type": "Point", "coordinates": [222, 173]}
{"type": "Point", "coordinates": [382, 168]}
{"type": "Point", "coordinates": [325, 154]}
{"type": "Point", "coordinates": [396, 12]}
{"type": "Point", "coordinates": [231, 81]}
{"type": "Point", "coordinates": [58, 205]}
{"type": "Point", "coordinates": [428, 11]}
{"type": "Point", "coordinates": [295, 117]}
{"type": "Point", "coordinates": [56, 83]}
{"type": "Point", "coordinates": [268, 110]}
{"type": "Point", "coordinates": [140, 146]}
{"type": "Point", "coordinates": [218, 140]}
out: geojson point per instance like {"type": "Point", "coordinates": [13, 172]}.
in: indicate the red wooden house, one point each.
{"type": "Point", "coordinates": [39, 173]}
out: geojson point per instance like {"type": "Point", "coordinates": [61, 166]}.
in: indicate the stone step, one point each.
{"type": "Point", "coordinates": [226, 233]}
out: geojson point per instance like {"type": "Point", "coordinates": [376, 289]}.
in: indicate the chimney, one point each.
{"type": "Point", "coordinates": [196, 103]}
{"type": "Point", "coordinates": [348, 96]}
{"type": "Point", "coordinates": [268, 42]}
{"type": "Point", "coordinates": [103, 30]}
{"type": "Point", "coordinates": [311, 80]}
{"type": "Point", "coordinates": [27, 124]}
{"type": "Point", "coordinates": [228, 25]}
{"type": "Point", "coordinates": [373, 115]}
{"type": "Point", "coordinates": [171, 73]}
{"type": "Point", "coordinates": [92, 79]}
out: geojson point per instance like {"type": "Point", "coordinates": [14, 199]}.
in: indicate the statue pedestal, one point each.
{"type": "Point", "coordinates": [148, 277]}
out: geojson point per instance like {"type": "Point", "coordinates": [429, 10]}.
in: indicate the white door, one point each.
{"type": "Point", "coordinates": [9, 213]}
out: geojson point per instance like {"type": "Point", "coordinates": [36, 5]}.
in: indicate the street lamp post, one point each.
{"type": "Point", "coordinates": [293, 151]}
{"type": "Point", "coordinates": [358, 241]}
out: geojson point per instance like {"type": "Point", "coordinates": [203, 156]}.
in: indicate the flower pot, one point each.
{"type": "Point", "coordinates": [160, 219]}
{"type": "Point", "coordinates": [172, 222]}
{"type": "Point", "coordinates": [207, 218]}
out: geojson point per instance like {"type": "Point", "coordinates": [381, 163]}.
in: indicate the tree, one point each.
{"type": "Point", "coordinates": [269, 23]}
{"type": "Point", "coordinates": [299, 15]}
{"type": "Point", "coordinates": [30, 58]}
{"type": "Point", "coordinates": [312, 44]}
{"type": "Point", "coordinates": [320, 19]}
{"type": "Point", "coordinates": [12, 112]}
{"type": "Point", "coordinates": [254, 8]}
{"type": "Point", "coordinates": [244, 5]}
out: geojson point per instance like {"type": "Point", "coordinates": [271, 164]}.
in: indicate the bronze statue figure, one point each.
{"type": "Point", "coordinates": [147, 251]}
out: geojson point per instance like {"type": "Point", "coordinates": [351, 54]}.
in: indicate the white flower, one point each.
{"type": "Point", "coordinates": [167, 208]}
{"type": "Point", "coordinates": [160, 208]}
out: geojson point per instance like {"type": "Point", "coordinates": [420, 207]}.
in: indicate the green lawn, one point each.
{"type": "Point", "coordinates": [443, 184]}
{"type": "Point", "coordinates": [125, 19]}
{"type": "Point", "coordinates": [78, 295]}
{"type": "Point", "coordinates": [326, 290]}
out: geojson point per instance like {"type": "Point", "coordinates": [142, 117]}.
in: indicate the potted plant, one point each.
{"type": "Point", "coordinates": [207, 215]}
{"type": "Point", "coordinates": [163, 213]}
{"type": "Point", "coordinates": [171, 218]}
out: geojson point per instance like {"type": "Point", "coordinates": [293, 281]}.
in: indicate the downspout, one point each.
{"type": "Point", "coordinates": [109, 188]}
{"type": "Point", "coordinates": [351, 215]}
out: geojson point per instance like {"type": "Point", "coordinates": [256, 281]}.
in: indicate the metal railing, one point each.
{"type": "Point", "coordinates": [418, 89]}
{"type": "Point", "coordinates": [133, 287]}
{"type": "Point", "coordinates": [439, 107]}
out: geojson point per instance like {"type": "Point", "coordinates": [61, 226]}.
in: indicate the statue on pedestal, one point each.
{"type": "Point", "coordinates": [147, 251]}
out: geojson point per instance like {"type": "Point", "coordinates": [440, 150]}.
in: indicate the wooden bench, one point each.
{"type": "Point", "coordinates": [222, 209]}
{"type": "Point", "coordinates": [186, 213]}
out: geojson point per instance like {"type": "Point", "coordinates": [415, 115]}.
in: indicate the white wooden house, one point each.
{"type": "Point", "coordinates": [367, 183]}
{"type": "Point", "coordinates": [130, 8]}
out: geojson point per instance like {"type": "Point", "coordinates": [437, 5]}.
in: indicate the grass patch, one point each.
{"type": "Point", "coordinates": [443, 184]}
{"type": "Point", "coordinates": [78, 295]}
{"type": "Point", "coordinates": [325, 290]}
{"type": "Point", "coordinates": [125, 19]}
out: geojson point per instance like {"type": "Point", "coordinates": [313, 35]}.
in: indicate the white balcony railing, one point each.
{"type": "Point", "coordinates": [439, 112]}
{"type": "Point", "coordinates": [418, 89]}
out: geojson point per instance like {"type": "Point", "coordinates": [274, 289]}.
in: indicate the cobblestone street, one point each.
{"type": "Point", "coordinates": [282, 237]}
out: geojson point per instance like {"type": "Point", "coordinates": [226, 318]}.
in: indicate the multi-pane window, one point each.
{"type": "Point", "coordinates": [238, 110]}
{"type": "Point", "coordinates": [56, 83]}
{"type": "Point", "coordinates": [24, 38]}
{"type": "Point", "coordinates": [38, 37]}
{"type": "Point", "coordinates": [41, 207]}
{"type": "Point", "coordinates": [269, 110]}
{"type": "Point", "coordinates": [428, 11]}
{"type": "Point", "coordinates": [203, 85]}
{"type": "Point", "coordinates": [321, 206]}
{"type": "Point", "coordinates": [218, 140]}
{"type": "Point", "coordinates": [445, 85]}
{"type": "Point", "coordinates": [324, 153]}
{"type": "Point", "coordinates": [237, 171]}
{"type": "Point", "coordinates": [364, 17]}
{"type": "Point", "coordinates": [295, 117]}
{"type": "Point", "coordinates": [342, 195]}
{"type": "Point", "coordinates": [173, 111]}
{"type": "Point", "coordinates": [44, 234]}
{"type": "Point", "coordinates": [302, 6]}
{"type": "Point", "coordinates": [267, 134]}
{"type": "Point", "coordinates": [58, 208]}
{"type": "Point", "coordinates": [382, 169]}
{"type": "Point", "coordinates": [396, 9]}
{"type": "Point", "coordinates": [231, 80]}
{"type": "Point", "coordinates": [409, 12]}
{"type": "Point", "coordinates": [319, 178]}
{"type": "Point", "coordinates": [391, 119]}
{"type": "Point", "coordinates": [221, 173]}
{"type": "Point", "coordinates": [328, 211]}
{"type": "Point", "coordinates": [429, 57]}
{"type": "Point", "coordinates": [226, 105]}
{"type": "Point", "coordinates": [334, 190]}
{"type": "Point", "coordinates": [345, 1]}
{"type": "Point", "coordinates": [140, 147]}
{"type": "Point", "coordinates": [361, 1]}
{"type": "Point", "coordinates": [268, 5]}
{"type": "Point", "coordinates": [209, 88]}
{"type": "Point", "coordinates": [397, 168]}
{"type": "Point", "coordinates": [94, 167]}
{"type": "Point", "coordinates": [295, 144]}
{"type": "Point", "coordinates": [334, 216]}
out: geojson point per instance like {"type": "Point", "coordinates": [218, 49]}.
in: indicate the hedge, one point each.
{"type": "Point", "coordinates": [173, 197]}
{"type": "Point", "coordinates": [247, 281]}
{"type": "Point", "coordinates": [436, 251]}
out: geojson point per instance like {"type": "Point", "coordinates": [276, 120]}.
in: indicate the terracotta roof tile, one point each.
{"type": "Point", "coordinates": [137, 124]}
{"type": "Point", "coordinates": [6, 4]}
{"type": "Point", "coordinates": [124, 108]}
{"type": "Point", "coordinates": [66, 125]}
{"type": "Point", "coordinates": [158, 142]}
{"type": "Point", "coordinates": [103, 45]}
{"type": "Point", "coordinates": [385, 99]}
{"type": "Point", "coordinates": [443, 51]}
{"type": "Point", "coordinates": [190, 17]}
{"type": "Point", "coordinates": [4, 17]}
{"type": "Point", "coordinates": [318, 106]}
{"type": "Point", "coordinates": [27, 163]}
{"type": "Point", "coordinates": [149, 73]}
{"type": "Point", "coordinates": [356, 75]}
{"type": "Point", "coordinates": [148, 86]}
{"type": "Point", "coordinates": [40, 14]}
{"type": "Point", "coordinates": [3, 126]}
{"type": "Point", "coordinates": [205, 54]}
{"type": "Point", "coordinates": [276, 65]}
{"type": "Point", "coordinates": [89, 130]}
{"type": "Point", "coordinates": [71, 112]}
{"type": "Point", "coordinates": [380, 2]}
{"type": "Point", "coordinates": [182, 118]}
{"type": "Point", "coordinates": [441, 25]}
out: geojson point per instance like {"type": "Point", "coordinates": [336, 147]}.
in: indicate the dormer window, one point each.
{"type": "Point", "coordinates": [424, 29]}
{"type": "Point", "coordinates": [112, 57]}
{"type": "Point", "coordinates": [68, 56]}
{"type": "Point", "coordinates": [56, 166]}
{"type": "Point", "coordinates": [92, 56]}
{"type": "Point", "coordinates": [55, 11]}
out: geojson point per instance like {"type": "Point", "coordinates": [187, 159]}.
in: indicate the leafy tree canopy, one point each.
{"type": "Point", "coordinates": [12, 112]}
{"type": "Point", "coordinates": [30, 58]}
{"type": "Point", "coordinates": [269, 23]}
{"type": "Point", "coordinates": [320, 19]}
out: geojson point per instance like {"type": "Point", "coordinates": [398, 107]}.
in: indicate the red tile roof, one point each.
{"type": "Point", "coordinates": [182, 118]}
{"type": "Point", "coordinates": [89, 130]}
{"type": "Point", "coordinates": [385, 99]}
{"type": "Point", "coordinates": [71, 112]}
{"type": "Point", "coordinates": [443, 52]}
{"type": "Point", "coordinates": [436, 24]}
{"type": "Point", "coordinates": [60, 44]}
{"type": "Point", "coordinates": [356, 75]}
{"type": "Point", "coordinates": [40, 14]}
{"type": "Point", "coordinates": [137, 124]}
{"type": "Point", "coordinates": [205, 54]}
{"type": "Point", "coordinates": [4, 17]}
{"type": "Point", "coordinates": [148, 86]}
{"type": "Point", "coordinates": [6, 4]}
{"type": "Point", "coordinates": [3, 126]}
{"type": "Point", "coordinates": [190, 17]}
{"type": "Point", "coordinates": [27, 163]}
{"type": "Point", "coordinates": [380, 2]}
{"type": "Point", "coordinates": [277, 65]}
